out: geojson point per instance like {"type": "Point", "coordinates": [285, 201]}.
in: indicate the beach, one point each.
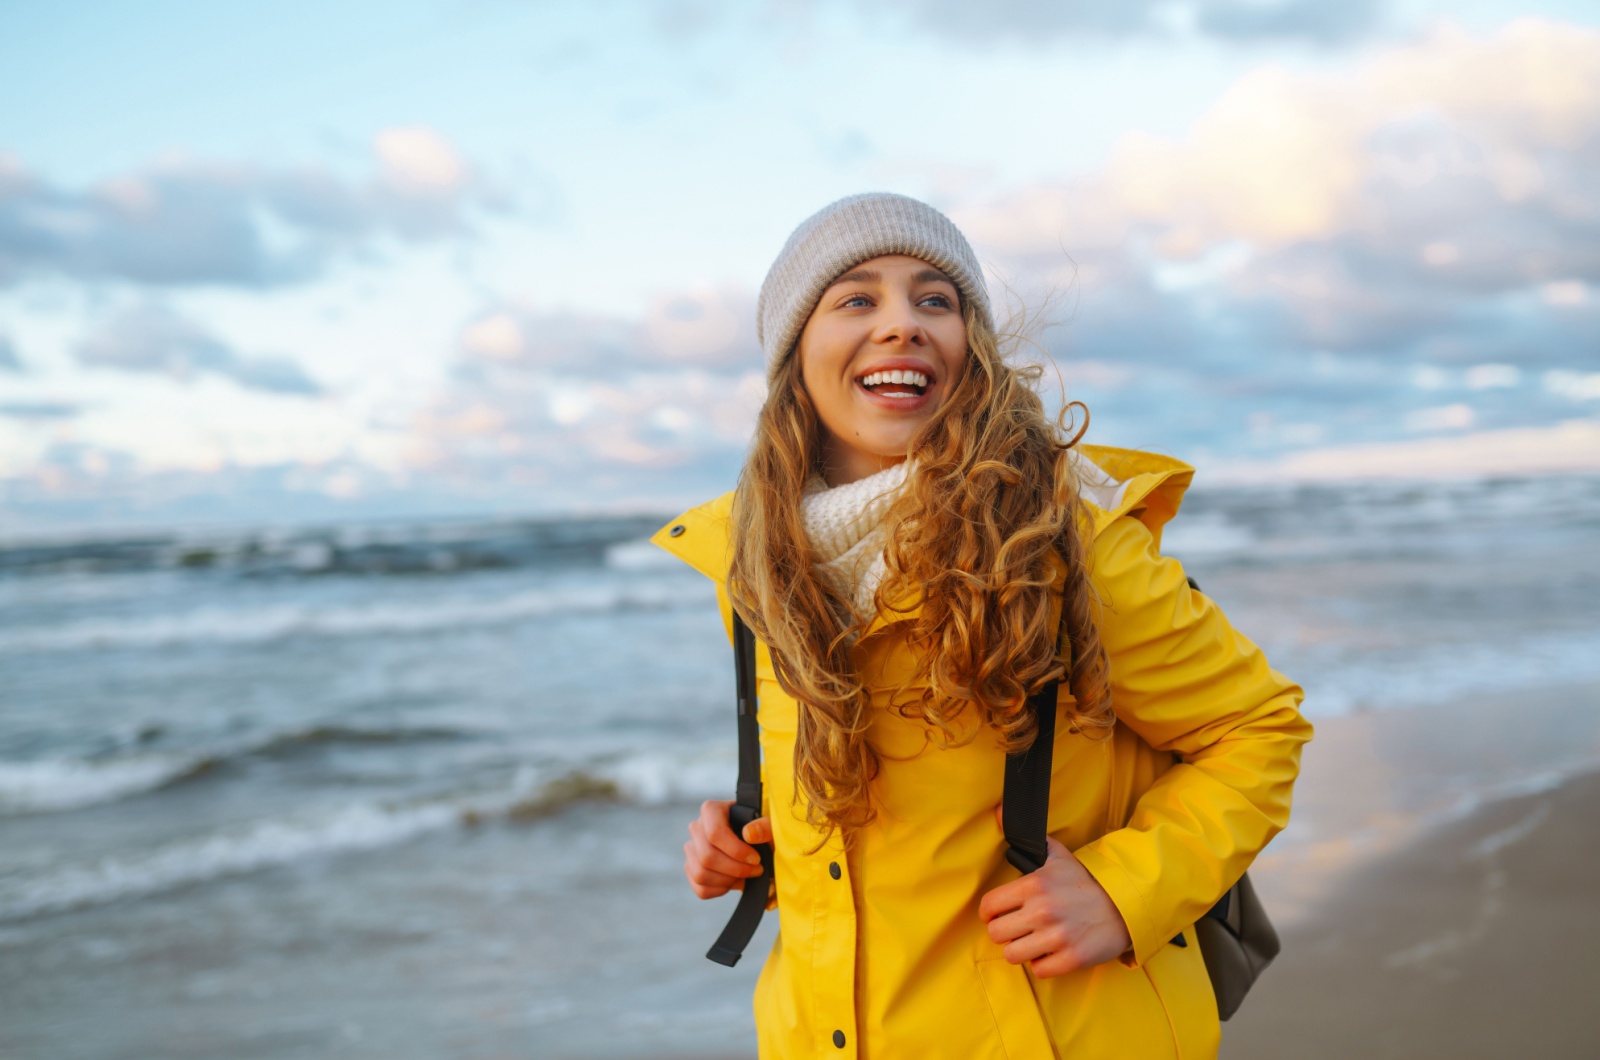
{"type": "Point", "coordinates": [1476, 938]}
{"type": "Point", "coordinates": [420, 791]}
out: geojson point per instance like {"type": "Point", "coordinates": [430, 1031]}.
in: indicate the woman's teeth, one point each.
{"type": "Point", "coordinates": [899, 378]}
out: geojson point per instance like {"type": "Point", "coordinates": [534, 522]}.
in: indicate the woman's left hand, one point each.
{"type": "Point", "coordinates": [1056, 920]}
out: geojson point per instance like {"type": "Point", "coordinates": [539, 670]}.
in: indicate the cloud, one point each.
{"type": "Point", "coordinates": [1577, 386]}
{"type": "Point", "coordinates": [1032, 21]}
{"type": "Point", "coordinates": [1312, 20]}
{"type": "Point", "coordinates": [9, 361]}
{"type": "Point", "coordinates": [1573, 446]}
{"type": "Point", "coordinates": [180, 222]}
{"type": "Point", "coordinates": [542, 396]}
{"type": "Point", "coordinates": [538, 427]}
{"type": "Point", "coordinates": [1407, 246]}
{"type": "Point", "coordinates": [1441, 200]}
{"type": "Point", "coordinates": [151, 338]}
{"type": "Point", "coordinates": [703, 326]}
{"type": "Point", "coordinates": [39, 410]}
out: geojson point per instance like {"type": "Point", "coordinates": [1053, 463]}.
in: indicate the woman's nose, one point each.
{"type": "Point", "coordinates": [899, 325]}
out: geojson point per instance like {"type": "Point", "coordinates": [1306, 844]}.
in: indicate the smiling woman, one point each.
{"type": "Point", "coordinates": [878, 357]}
{"type": "Point", "coordinates": [936, 574]}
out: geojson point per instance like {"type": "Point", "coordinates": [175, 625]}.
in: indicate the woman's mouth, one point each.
{"type": "Point", "coordinates": [895, 383]}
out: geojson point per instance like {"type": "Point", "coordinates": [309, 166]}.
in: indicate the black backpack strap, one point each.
{"type": "Point", "coordinates": [747, 803]}
{"type": "Point", "coordinates": [1026, 802]}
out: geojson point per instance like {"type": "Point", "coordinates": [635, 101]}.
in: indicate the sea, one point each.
{"type": "Point", "coordinates": [420, 790]}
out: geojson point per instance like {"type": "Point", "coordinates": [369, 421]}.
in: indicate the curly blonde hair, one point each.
{"type": "Point", "coordinates": [989, 515]}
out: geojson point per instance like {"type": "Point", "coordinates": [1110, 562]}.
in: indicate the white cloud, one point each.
{"type": "Point", "coordinates": [420, 160]}
{"type": "Point", "coordinates": [1565, 292]}
{"type": "Point", "coordinates": [497, 337]}
{"type": "Point", "coordinates": [1492, 376]}
{"type": "Point", "coordinates": [700, 326]}
{"type": "Point", "coordinates": [1429, 377]}
{"type": "Point", "coordinates": [1579, 386]}
{"type": "Point", "coordinates": [1568, 447]}
{"type": "Point", "coordinates": [1284, 157]}
{"type": "Point", "coordinates": [1455, 417]}
{"type": "Point", "coordinates": [181, 221]}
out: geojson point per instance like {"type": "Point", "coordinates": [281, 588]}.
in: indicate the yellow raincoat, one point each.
{"type": "Point", "coordinates": [881, 948]}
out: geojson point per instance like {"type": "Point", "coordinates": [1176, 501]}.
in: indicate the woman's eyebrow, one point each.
{"type": "Point", "coordinates": [859, 276]}
{"type": "Point", "coordinates": [932, 276]}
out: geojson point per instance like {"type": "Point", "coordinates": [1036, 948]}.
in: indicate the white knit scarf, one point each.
{"type": "Point", "coordinates": [845, 526]}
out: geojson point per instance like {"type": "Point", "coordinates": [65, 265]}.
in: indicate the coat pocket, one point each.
{"type": "Point", "coordinates": [1017, 1018]}
{"type": "Point", "coordinates": [1178, 975]}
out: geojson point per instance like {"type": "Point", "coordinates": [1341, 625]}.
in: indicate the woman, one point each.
{"type": "Point", "coordinates": [917, 548]}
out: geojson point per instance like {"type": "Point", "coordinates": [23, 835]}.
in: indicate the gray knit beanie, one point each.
{"type": "Point", "coordinates": [846, 233]}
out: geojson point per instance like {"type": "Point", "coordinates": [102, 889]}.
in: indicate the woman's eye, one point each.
{"type": "Point", "coordinates": [858, 299]}
{"type": "Point", "coordinates": [943, 301]}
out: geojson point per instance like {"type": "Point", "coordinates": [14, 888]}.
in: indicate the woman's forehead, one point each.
{"type": "Point", "coordinates": [876, 270]}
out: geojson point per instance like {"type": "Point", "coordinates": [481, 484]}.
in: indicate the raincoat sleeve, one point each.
{"type": "Point", "coordinates": [1186, 682]}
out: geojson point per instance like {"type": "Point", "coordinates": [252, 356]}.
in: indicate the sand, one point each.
{"type": "Point", "coordinates": [1479, 940]}
{"type": "Point", "coordinates": [1438, 891]}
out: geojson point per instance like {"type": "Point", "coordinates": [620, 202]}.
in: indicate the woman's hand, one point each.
{"type": "Point", "coordinates": [714, 859]}
{"type": "Point", "coordinates": [1057, 920]}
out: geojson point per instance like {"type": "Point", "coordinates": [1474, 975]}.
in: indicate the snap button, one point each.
{"type": "Point", "coordinates": [833, 869]}
{"type": "Point", "coordinates": [676, 531]}
{"type": "Point", "coordinates": [838, 1039]}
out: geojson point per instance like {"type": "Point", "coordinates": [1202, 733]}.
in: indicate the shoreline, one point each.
{"type": "Point", "coordinates": [1374, 784]}
{"type": "Point", "coordinates": [1475, 939]}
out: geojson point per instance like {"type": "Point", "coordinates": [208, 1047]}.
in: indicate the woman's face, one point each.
{"type": "Point", "coordinates": [879, 356]}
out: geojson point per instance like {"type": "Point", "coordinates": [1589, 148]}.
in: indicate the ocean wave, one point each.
{"type": "Point", "coordinates": [1438, 674]}
{"type": "Point", "coordinates": [357, 549]}
{"type": "Point", "coordinates": [55, 785]}
{"type": "Point", "coordinates": [284, 621]}
{"type": "Point", "coordinates": [649, 778]}
{"type": "Point", "coordinates": [264, 845]}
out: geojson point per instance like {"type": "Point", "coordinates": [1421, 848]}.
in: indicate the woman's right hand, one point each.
{"type": "Point", "coordinates": [714, 859]}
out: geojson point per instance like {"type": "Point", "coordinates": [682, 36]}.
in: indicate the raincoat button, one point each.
{"type": "Point", "coordinates": [833, 869]}
{"type": "Point", "coordinates": [838, 1039]}
{"type": "Point", "coordinates": [676, 531]}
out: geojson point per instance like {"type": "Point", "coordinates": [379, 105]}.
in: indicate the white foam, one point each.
{"type": "Point", "coordinates": [640, 555]}
{"type": "Point", "coordinates": [262, 845]}
{"type": "Point", "coordinates": [70, 784]}
{"type": "Point", "coordinates": [1441, 673]}
{"type": "Point", "coordinates": [213, 624]}
{"type": "Point", "coordinates": [654, 778]}
{"type": "Point", "coordinates": [1205, 535]}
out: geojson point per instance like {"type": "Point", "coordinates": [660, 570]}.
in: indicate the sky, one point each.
{"type": "Point", "coordinates": [292, 262]}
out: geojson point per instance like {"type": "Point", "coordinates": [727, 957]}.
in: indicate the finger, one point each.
{"type": "Point", "coordinates": [758, 830]}
{"type": "Point", "coordinates": [1012, 926]}
{"type": "Point", "coordinates": [1000, 817]}
{"type": "Point", "coordinates": [704, 884]}
{"type": "Point", "coordinates": [1054, 849]}
{"type": "Point", "coordinates": [708, 883]}
{"type": "Point", "coordinates": [714, 823]}
{"type": "Point", "coordinates": [1005, 898]}
{"type": "Point", "coordinates": [1033, 946]}
{"type": "Point", "coordinates": [708, 891]}
{"type": "Point", "coordinates": [715, 860]}
{"type": "Point", "coordinates": [1060, 962]}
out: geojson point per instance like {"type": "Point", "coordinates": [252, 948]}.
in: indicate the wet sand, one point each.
{"type": "Point", "coordinates": [1480, 939]}
{"type": "Point", "coordinates": [1438, 891]}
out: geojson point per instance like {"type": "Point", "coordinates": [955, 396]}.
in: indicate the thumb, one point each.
{"type": "Point", "coordinates": [758, 830]}
{"type": "Point", "coordinates": [1054, 849]}
{"type": "Point", "coordinates": [1000, 817]}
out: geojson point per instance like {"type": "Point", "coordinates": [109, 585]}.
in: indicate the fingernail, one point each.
{"type": "Point", "coordinates": [754, 859]}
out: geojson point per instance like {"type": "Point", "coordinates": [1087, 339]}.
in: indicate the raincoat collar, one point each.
{"type": "Point", "coordinates": [1115, 482]}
